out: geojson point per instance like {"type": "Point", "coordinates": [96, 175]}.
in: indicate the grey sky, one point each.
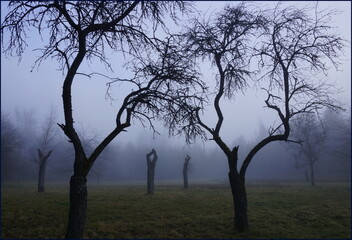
{"type": "Point", "coordinates": [37, 90]}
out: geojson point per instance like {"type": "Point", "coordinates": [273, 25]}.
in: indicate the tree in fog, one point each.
{"type": "Point", "coordinates": [291, 44]}
{"type": "Point", "coordinates": [45, 142]}
{"type": "Point", "coordinates": [224, 41]}
{"type": "Point", "coordinates": [10, 143]}
{"type": "Point", "coordinates": [151, 170]}
{"type": "Point", "coordinates": [343, 140]}
{"type": "Point", "coordinates": [185, 172]}
{"type": "Point", "coordinates": [162, 87]}
{"type": "Point", "coordinates": [307, 129]}
{"type": "Point", "coordinates": [26, 125]}
{"type": "Point", "coordinates": [338, 130]}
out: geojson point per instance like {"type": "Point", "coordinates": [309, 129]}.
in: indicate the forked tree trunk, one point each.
{"type": "Point", "coordinates": [41, 177]}
{"type": "Point", "coordinates": [239, 194]}
{"type": "Point", "coordinates": [42, 168]}
{"type": "Point", "coordinates": [151, 171]}
{"type": "Point", "coordinates": [185, 172]}
{"type": "Point", "coordinates": [78, 207]}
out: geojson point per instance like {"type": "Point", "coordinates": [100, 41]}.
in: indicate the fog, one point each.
{"type": "Point", "coordinates": [125, 162]}
{"type": "Point", "coordinates": [27, 95]}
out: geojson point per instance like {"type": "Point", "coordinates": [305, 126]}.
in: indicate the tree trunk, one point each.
{"type": "Point", "coordinates": [312, 180]}
{"type": "Point", "coordinates": [238, 190]}
{"type": "Point", "coordinates": [185, 172]}
{"type": "Point", "coordinates": [78, 207]}
{"type": "Point", "coordinates": [41, 176]}
{"type": "Point", "coordinates": [239, 196]}
{"type": "Point", "coordinates": [151, 171]}
{"type": "Point", "coordinates": [185, 177]}
{"type": "Point", "coordinates": [42, 167]}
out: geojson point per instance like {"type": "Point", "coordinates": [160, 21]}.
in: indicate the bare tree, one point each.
{"type": "Point", "coordinates": [185, 172]}
{"type": "Point", "coordinates": [306, 128]}
{"type": "Point", "coordinates": [338, 131]}
{"type": "Point", "coordinates": [151, 170]}
{"type": "Point", "coordinates": [45, 142]}
{"type": "Point", "coordinates": [85, 30]}
{"type": "Point", "coordinates": [224, 41]}
{"type": "Point", "coordinates": [292, 43]}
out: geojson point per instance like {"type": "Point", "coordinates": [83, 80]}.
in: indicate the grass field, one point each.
{"type": "Point", "coordinates": [280, 210]}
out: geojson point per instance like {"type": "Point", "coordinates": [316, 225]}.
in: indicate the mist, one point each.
{"type": "Point", "coordinates": [125, 162]}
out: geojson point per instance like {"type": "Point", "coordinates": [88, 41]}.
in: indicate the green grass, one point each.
{"type": "Point", "coordinates": [284, 210]}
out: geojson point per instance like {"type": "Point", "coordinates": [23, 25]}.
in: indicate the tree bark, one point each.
{"type": "Point", "coordinates": [78, 207]}
{"type": "Point", "coordinates": [239, 196]}
{"type": "Point", "coordinates": [151, 171]}
{"type": "Point", "coordinates": [185, 172]}
{"type": "Point", "coordinates": [238, 190]}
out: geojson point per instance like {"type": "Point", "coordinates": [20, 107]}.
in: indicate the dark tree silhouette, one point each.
{"type": "Point", "coordinates": [306, 128]}
{"type": "Point", "coordinates": [85, 30]}
{"type": "Point", "coordinates": [151, 170]}
{"type": "Point", "coordinates": [225, 42]}
{"type": "Point", "coordinates": [185, 172]}
{"type": "Point", "coordinates": [292, 43]}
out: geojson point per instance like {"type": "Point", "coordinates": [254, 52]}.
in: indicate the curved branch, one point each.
{"type": "Point", "coordinates": [107, 26]}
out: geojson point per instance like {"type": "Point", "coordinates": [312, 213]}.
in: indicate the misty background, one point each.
{"type": "Point", "coordinates": [29, 94]}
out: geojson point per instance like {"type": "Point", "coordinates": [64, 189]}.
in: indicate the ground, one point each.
{"type": "Point", "coordinates": [276, 210]}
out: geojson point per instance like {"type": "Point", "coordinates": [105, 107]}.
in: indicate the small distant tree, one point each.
{"type": "Point", "coordinates": [338, 141]}
{"type": "Point", "coordinates": [185, 172]}
{"type": "Point", "coordinates": [151, 170]}
{"type": "Point", "coordinates": [307, 129]}
{"type": "Point", "coordinates": [45, 142]}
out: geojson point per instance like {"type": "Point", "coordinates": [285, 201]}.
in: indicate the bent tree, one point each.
{"type": "Point", "coordinates": [290, 44]}
{"type": "Point", "coordinates": [151, 170]}
{"type": "Point", "coordinates": [163, 86]}
{"type": "Point", "coordinates": [185, 171]}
